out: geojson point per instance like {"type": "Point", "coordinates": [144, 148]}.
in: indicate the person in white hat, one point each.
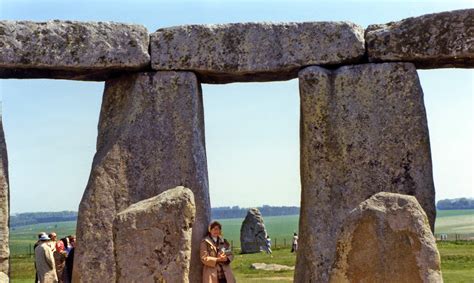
{"type": "Point", "coordinates": [44, 261]}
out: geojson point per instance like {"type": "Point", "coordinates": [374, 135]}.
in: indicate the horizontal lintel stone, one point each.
{"type": "Point", "coordinates": [441, 40]}
{"type": "Point", "coordinates": [71, 50]}
{"type": "Point", "coordinates": [245, 52]}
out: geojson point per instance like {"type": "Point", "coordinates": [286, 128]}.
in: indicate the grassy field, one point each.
{"type": "Point", "coordinates": [455, 222]}
{"type": "Point", "coordinates": [23, 238]}
{"type": "Point", "coordinates": [457, 257]}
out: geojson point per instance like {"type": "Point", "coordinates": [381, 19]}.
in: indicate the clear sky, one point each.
{"type": "Point", "coordinates": [252, 129]}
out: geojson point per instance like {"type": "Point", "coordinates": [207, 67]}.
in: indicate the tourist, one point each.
{"type": "Point", "coordinates": [38, 242]}
{"type": "Point", "coordinates": [67, 273]}
{"type": "Point", "coordinates": [44, 261]}
{"type": "Point", "coordinates": [59, 253]}
{"type": "Point", "coordinates": [52, 243]}
{"type": "Point", "coordinates": [294, 244]}
{"type": "Point", "coordinates": [268, 245]}
{"type": "Point", "coordinates": [216, 256]}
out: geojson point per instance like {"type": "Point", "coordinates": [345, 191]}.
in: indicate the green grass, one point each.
{"type": "Point", "coordinates": [243, 272]}
{"type": "Point", "coordinates": [455, 222]}
{"type": "Point", "coordinates": [457, 261]}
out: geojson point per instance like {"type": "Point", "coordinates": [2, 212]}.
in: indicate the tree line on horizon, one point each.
{"type": "Point", "coordinates": [224, 212]}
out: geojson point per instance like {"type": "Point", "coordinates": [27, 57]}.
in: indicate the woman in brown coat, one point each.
{"type": "Point", "coordinates": [216, 257]}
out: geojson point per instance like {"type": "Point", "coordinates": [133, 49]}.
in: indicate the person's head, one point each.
{"type": "Point", "coordinates": [44, 238]}
{"type": "Point", "coordinates": [215, 229]}
{"type": "Point", "coordinates": [294, 234]}
{"type": "Point", "coordinates": [65, 241]}
{"type": "Point", "coordinates": [72, 240]}
{"type": "Point", "coordinates": [41, 234]}
{"type": "Point", "coordinates": [53, 236]}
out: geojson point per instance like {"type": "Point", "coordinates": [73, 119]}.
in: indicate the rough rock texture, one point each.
{"type": "Point", "coordinates": [441, 40]}
{"type": "Point", "coordinates": [151, 138]}
{"type": "Point", "coordinates": [252, 232]}
{"type": "Point", "coordinates": [363, 131]}
{"type": "Point", "coordinates": [71, 50]}
{"type": "Point", "coordinates": [255, 51]}
{"type": "Point", "coordinates": [270, 267]}
{"type": "Point", "coordinates": [153, 238]}
{"type": "Point", "coordinates": [4, 203]}
{"type": "Point", "coordinates": [392, 233]}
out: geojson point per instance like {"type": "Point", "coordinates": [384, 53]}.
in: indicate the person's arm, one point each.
{"type": "Point", "coordinates": [48, 254]}
{"type": "Point", "coordinates": [206, 259]}
{"type": "Point", "coordinates": [229, 254]}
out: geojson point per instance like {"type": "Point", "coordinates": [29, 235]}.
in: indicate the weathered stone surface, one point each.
{"type": "Point", "coordinates": [252, 232]}
{"type": "Point", "coordinates": [4, 203]}
{"type": "Point", "coordinates": [255, 51]}
{"type": "Point", "coordinates": [387, 238]}
{"type": "Point", "coordinates": [363, 131]}
{"type": "Point", "coordinates": [153, 238]}
{"type": "Point", "coordinates": [151, 138]}
{"type": "Point", "coordinates": [271, 267]}
{"type": "Point", "coordinates": [442, 40]}
{"type": "Point", "coordinates": [71, 50]}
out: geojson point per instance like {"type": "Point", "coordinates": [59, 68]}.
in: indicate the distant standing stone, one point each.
{"type": "Point", "coordinates": [252, 232]}
{"type": "Point", "coordinates": [387, 238]}
{"type": "Point", "coordinates": [153, 238]}
{"type": "Point", "coordinates": [441, 40]}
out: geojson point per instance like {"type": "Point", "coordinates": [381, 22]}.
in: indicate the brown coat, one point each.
{"type": "Point", "coordinates": [209, 258]}
{"type": "Point", "coordinates": [45, 266]}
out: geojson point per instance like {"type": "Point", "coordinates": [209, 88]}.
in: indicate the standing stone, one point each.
{"type": "Point", "coordinates": [4, 203]}
{"type": "Point", "coordinates": [255, 51]}
{"type": "Point", "coordinates": [252, 232]}
{"type": "Point", "coordinates": [151, 138]}
{"type": "Point", "coordinates": [387, 238]}
{"type": "Point", "coordinates": [71, 50]}
{"type": "Point", "coordinates": [441, 40]}
{"type": "Point", "coordinates": [363, 131]}
{"type": "Point", "coordinates": [153, 238]}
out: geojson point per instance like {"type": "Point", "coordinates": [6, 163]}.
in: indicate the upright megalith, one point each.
{"type": "Point", "coordinates": [153, 238]}
{"type": "Point", "coordinates": [71, 50]}
{"type": "Point", "coordinates": [363, 131]}
{"type": "Point", "coordinates": [252, 232]}
{"type": "Point", "coordinates": [255, 51]}
{"type": "Point", "coordinates": [4, 203]}
{"type": "Point", "coordinates": [387, 238]}
{"type": "Point", "coordinates": [151, 138]}
{"type": "Point", "coordinates": [441, 40]}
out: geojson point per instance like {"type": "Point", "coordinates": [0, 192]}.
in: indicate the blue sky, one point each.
{"type": "Point", "coordinates": [251, 128]}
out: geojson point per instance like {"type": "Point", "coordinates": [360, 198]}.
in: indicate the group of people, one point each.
{"type": "Point", "coordinates": [54, 258]}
